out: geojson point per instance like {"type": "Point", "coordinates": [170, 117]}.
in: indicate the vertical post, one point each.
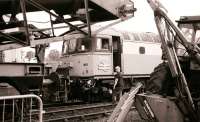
{"type": "Point", "coordinates": [2, 59]}
{"type": "Point", "coordinates": [31, 103]}
{"type": "Point", "coordinates": [22, 112]}
{"type": "Point", "coordinates": [23, 8]}
{"type": "Point", "coordinates": [13, 112]}
{"type": "Point", "coordinates": [87, 17]}
{"type": "Point", "coordinates": [52, 29]}
{"type": "Point", "coordinates": [3, 116]}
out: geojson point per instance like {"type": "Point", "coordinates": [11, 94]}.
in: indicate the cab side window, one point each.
{"type": "Point", "coordinates": [65, 47]}
{"type": "Point", "coordinates": [83, 45]}
{"type": "Point", "coordinates": [102, 44]}
{"type": "Point", "coordinates": [69, 46]}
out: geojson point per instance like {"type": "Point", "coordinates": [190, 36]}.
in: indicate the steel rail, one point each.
{"type": "Point", "coordinates": [87, 113]}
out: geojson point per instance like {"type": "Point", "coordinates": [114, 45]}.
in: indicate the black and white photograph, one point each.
{"type": "Point", "coordinates": [99, 61]}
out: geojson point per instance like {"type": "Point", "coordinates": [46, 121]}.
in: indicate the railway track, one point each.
{"type": "Point", "coordinates": [77, 112]}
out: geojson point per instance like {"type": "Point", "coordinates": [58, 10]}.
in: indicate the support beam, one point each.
{"type": "Point", "coordinates": [87, 17]}
{"type": "Point", "coordinates": [52, 29]}
{"type": "Point", "coordinates": [13, 39]}
{"type": "Point", "coordinates": [72, 30]}
{"type": "Point", "coordinates": [23, 8]}
{"type": "Point", "coordinates": [32, 2]}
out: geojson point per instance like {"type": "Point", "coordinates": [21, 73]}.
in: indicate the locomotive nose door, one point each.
{"type": "Point", "coordinates": [117, 50]}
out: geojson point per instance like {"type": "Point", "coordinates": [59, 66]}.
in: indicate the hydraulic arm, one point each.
{"type": "Point", "coordinates": [169, 33]}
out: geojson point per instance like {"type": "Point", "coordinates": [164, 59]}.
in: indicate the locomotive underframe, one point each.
{"type": "Point", "coordinates": [60, 87]}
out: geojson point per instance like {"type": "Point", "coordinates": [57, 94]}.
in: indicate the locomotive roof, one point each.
{"type": "Point", "coordinates": [132, 36]}
{"type": "Point", "coordinates": [127, 36]}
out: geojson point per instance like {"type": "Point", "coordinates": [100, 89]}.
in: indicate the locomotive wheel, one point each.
{"type": "Point", "coordinates": [161, 81]}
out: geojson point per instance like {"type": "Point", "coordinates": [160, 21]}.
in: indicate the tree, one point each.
{"type": "Point", "coordinates": [30, 55]}
{"type": "Point", "coordinates": [54, 55]}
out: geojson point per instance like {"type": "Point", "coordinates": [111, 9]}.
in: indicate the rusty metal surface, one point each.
{"type": "Point", "coordinates": [156, 108]}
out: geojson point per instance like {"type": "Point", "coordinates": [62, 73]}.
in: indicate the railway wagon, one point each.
{"type": "Point", "coordinates": [20, 78]}
{"type": "Point", "coordinates": [88, 63]}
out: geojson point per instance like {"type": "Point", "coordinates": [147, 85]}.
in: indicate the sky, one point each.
{"type": "Point", "coordinates": [144, 20]}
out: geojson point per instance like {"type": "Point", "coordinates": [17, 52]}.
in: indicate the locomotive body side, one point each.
{"type": "Point", "coordinates": [140, 55]}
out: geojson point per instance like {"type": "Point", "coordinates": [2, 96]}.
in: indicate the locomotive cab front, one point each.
{"type": "Point", "coordinates": [88, 57]}
{"type": "Point", "coordinates": [90, 64]}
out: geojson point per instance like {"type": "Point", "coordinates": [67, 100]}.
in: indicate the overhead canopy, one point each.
{"type": "Point", "coordinates": [100, 10]}
{"type": "Point", "coordinates": [17, 31]}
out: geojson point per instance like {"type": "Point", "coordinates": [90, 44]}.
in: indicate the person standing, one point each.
{"type": "Point", "coordinates": [118, 85]}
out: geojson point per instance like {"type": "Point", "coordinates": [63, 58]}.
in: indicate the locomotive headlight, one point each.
{"type": "Point", "coordinates": [110, 91]}
{"type": "Point", "coordinates": [71, 81]}
{"type": "Point", "coordinates": [89, 82]}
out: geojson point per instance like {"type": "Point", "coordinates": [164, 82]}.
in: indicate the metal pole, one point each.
{"type": "Point", "coordinates": [87, 17]}
{"type": "Point", "coordinates": [176, 65]}
{"type": "Point", "coordinates": [13, 38]}
{"type": "Point", "coordinates": [52, 25]}
{"type": "Point", "coordinates": [23, 8]}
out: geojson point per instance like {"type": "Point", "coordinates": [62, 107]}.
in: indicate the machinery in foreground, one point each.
{"type": "Point", "coordinates": [173, 91]}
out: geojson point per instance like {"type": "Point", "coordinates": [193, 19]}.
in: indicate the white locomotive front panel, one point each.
{"type": "Point", "coordinates": [88, 58]}
{"type": "Point", "coordinates": [102, 64]}
{"type": "Point", "coordinates": [89, 64]}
